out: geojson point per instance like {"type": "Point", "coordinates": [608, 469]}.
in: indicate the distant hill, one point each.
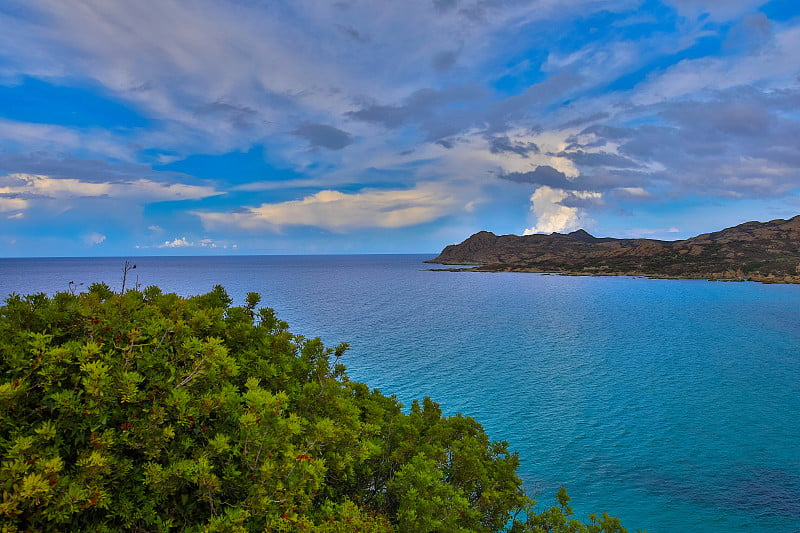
{"type": "Point", "coordinates": [759, 251]}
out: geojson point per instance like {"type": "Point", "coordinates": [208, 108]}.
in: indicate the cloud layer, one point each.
{"type": "Point", "coordinates": [337, 211]}
{"type": "Point", "coordinates": [424, 120]}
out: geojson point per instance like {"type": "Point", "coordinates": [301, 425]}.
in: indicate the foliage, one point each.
{"type": "Point", "coordinates": [145, 411]}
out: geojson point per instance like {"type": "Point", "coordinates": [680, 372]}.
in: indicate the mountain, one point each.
{"type": "Point", "coordinates": [759, 251]}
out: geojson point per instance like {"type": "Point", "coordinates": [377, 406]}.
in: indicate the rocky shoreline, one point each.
{"type": "Point", "coordinates": [720, 278]}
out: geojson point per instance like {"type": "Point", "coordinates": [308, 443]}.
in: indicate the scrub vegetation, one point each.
{"type": "Point", "coordinates": [145, 411]}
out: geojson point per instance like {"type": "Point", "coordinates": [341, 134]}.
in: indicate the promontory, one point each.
{"type": "Point", "coordinates": [758, 251]}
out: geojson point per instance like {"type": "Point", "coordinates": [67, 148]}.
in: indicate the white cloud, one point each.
{"type": "Point", "coordinates": [175, 191]}
{"type": "Point", "coordinates": [140, 189]}
{"type": "Point", "coordinates": [238, 74]}
{"type": "Point", "coordinates": [94, 238]}
{"type": "Point", "coordinates": [53, 187]}
{"type": "Point", "coordinates": [552, 216]}
{"type": "Point", "coordinates": [259, 186]}
{"type": "Point", "coordinates": [235, 71]}
{"type": "Point", "coordinates": [775, 66]}
{"type": "Point", "coordinates": [649, 233]}
{"type": "Point", "coordinates": [58, 139]}
{"type": "Point", "coordinates": [15, 216]}
{"type": "Point", "coordinates": [338, 211]}
{"type": "Point", "coordinates": [635, 192]}
{"type": "Point", "coordinates": [11, 204]}
{"type": "Point", "coordinates": [183, 242]}
{"type": "Point", "coordinates": [176, 243]}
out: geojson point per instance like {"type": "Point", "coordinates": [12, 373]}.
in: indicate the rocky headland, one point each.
{"type": "Point", "coordinates": [768, 252]}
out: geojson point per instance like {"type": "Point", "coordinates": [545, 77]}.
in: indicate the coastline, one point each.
{"type": "Point", "coordinates": [721, 277]}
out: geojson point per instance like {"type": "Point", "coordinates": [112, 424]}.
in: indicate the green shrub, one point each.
{"type": "Point", "coordinates": [146, 411]}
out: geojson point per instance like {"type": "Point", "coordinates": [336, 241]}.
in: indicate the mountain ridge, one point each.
{"type": "Point", "coordinates": [758, 251]}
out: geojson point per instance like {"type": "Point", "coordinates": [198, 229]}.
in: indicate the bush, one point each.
{"type": "Point", "coordinates": [146, 411]}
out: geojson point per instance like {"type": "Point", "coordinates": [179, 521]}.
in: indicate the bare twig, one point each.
{"type": "Point", "coordinates": [125, 269]}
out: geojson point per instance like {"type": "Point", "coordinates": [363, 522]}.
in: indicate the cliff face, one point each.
{"type": "Point", "coordinates": [765, 251]}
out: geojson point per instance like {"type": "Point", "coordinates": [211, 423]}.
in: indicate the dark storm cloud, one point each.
{"type": "Point", "coordinates": [445, 143]}
{"type": "Point", "coordinates": [456, 110]}
{"type": "Point", "coordinates": [388, 116]}
{"type": "Point", "coordinates": [598, 179]}
{"type": "Point", "coordinates": [440, 113]}
{"type": "Point", "coordinates": [241, 117]}
{"type": "Point", "coordinates": [420, 105]}
{"type": "Point", "coordinates": [574, 145]}
{"type": "Point", "coordinates": [502, 144]}
{"type": "Point", "coordinates": [541, 175]}
{"type": "Point", "coordinates": [581, 202]}
{"type": "Point", "coordinates": [324, 136]}
{"type": "Point", "coordinates": [598, 159]}
{"type": "Point", "coordinates": [57, 166]}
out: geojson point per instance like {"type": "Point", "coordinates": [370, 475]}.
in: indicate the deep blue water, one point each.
{"type": "Point", "coordinates": [672, 404]}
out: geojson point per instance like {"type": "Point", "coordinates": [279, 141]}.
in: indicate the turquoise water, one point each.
{"type": "Point", "coordinates": [674, 405]}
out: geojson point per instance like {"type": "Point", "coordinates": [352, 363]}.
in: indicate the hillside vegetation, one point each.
{"type": "Point", "coordinates": [758, 251]}
{"type": "Point", "coordinates": [145, 411]}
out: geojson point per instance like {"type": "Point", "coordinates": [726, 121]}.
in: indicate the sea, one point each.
{"type": "Point", "coordinates": [671, 404]}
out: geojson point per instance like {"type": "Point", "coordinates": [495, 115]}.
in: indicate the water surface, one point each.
{"type": "Point", "coordinates": [673, 404]}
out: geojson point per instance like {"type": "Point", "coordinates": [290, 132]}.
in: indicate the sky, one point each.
{"type": "Point", "coordinates": [166, 127]}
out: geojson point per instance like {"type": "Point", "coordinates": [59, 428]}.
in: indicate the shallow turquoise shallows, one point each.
{"type": "Point", "coordinates": [674, 405]}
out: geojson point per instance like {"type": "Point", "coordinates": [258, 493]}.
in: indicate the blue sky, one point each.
{"type": "Point", "coordinates": [249, 127]}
